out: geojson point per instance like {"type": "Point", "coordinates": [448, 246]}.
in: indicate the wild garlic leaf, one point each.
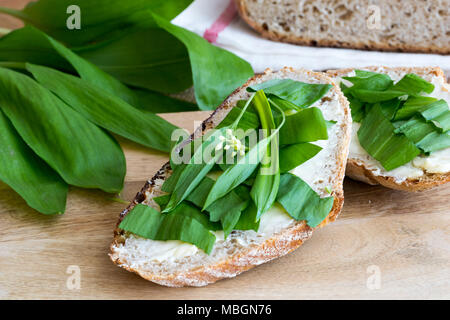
{"type": "Point", "coordinates": [99, 18]}
{"type": "Point", "coordinates": [215, 71]}
{"type": "Point", "coordinates": [228, 209]}
{"type": "Point", "coordinates": [83, 154]}
{"type": "Point", "coordinates": [265, 187]}
{"type": "Point", "coordinates": [185, 224]}
{"type": "Point", "coordinates": [367, 80]}
{"type": "Point", "coordinates": [376, 135]}
{"type": "Point", "coordinates": [148, 58]}
{"type": "Point", "coordinates": [187, 177]}
{"type": "Point", "coordinates": [412, 106]}
{"type": "Point", "coordinates": [248, 219]}
{"type": "Point", "coordinates": [20, 168]}
{"type": "Point", "coordinates": [301, 202]}
{"type": "Point", "coordinates": [293, 155]}
{"type": "Point", "coordinates": [299, 93]}
{"type": "Point", "coordinates": [424, 134]}
{"type": "Point", "coordinates": [155, 102]}
{"type": "Point", "coordinates": [248, 121]}
{"type": "Point", "coordinates": [32, 45]}
{"type": "Point", "coordinates": [304, 126]}
{"type": "Point", "coordinates": [411, 84]}
{"type": "Point", "coordinates": [106, 110]}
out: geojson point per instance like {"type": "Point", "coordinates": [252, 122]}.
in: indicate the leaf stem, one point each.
{"type": "Point", "coordinates": [13, 65]}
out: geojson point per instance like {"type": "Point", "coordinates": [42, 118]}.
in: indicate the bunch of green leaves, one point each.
{"type": "Point", "coordinates": [135, 42]}
{"type": "Point", "coordinates": [61, 118]}
{"type": "Point", "coordinates": [234, 196]}
{"type": "Point", "coordinates": [122, 63]}
{"type": "Point", "coordinates": [398, 122]}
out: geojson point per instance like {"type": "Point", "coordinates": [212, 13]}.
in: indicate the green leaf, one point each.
{"type": "Point", "coordinates": [413, 105]}
{"type": "Point", "coordinates": [376, 135]}
{"type": "Point", "coordinates": [372, 96]}
{"type": "Point", "coordinates": [389, 108]}
{"type": "Point", "coordinates": [435, 141]}
{"type": "Point", "coordinates": [369, 81]}
{"type": "Point", "coordinates": [228, 209]}
{"type": "Point", "coordinates": [437, 113]}
{"type": "Point", "coordinates": [244, 167]}
{"type": "Point", "coordinates": [147, 58]}
{"type": "Point", "coordinates": [154, 102]}
{"type": "Point", "coordinates": [299, 93]}
{"type": "Point", "coordinates": [199, 194]}
{"type": "Point", "coordinates": [304, 126]}
{"type": "Point", "coordinates": [412, 84]}
{"type": "Point", "coordinates": [182, 225]}
{"type": "Point", "coordinates": [216, 72]}
{"type": "Point", "coordinates": [20, 168]}
{"type": "Point", "coordinates": [424, 134]}
{"type": "Point", "coordinates": [83, 154]}
{"type": "Point", "coordinates": [31, 45]}
{"type": "Point", "coordinates": [98, 18]}
{"type": "Point", "coordinates": [248, 121]}
{"type": "Point", "coordinates": [294, 155]}
{"type": "Point", "coordinates": [265, 187]}
{"type": "Point", "coordinates": [301, 202]}
{"type": "Point", "coordinates": [248, 219]}
{"type": "Point", "coordinates": [187, 177]}
{"type": "Point", "coordinates": [106, 110]}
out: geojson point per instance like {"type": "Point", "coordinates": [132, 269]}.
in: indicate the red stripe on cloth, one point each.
{"type": "Point", "coordinates": [221, 23]}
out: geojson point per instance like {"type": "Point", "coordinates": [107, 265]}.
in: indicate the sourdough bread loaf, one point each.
{"type": "Point", "coordinates": [407, 25]}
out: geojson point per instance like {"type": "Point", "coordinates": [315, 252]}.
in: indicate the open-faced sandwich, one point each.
{"type": "Point", "coordinates": [252, 183]}
{"type": "Point", "coordinates": [401, 123]}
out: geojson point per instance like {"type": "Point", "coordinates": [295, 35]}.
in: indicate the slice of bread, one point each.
{"type": "Point", "coordinates": [407, 25]}
{"type": "Point", "coordinates": [412, 176]}
{"type": "Point", "coordinates": [243, 249]}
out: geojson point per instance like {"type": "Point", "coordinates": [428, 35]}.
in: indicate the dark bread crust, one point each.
{"type": "Point", "coordinates": [374, 46]}
{"type": "Point", "coordinates": [358, 172]}
{"type": "Point", "coordinates": [276, 246]}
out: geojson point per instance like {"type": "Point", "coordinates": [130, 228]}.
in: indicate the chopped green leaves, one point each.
{"type": "Point", "coordinates": [376, 135]}
{"type": "Point", "coordinates": [397, 123]}
{"type": "Point", "coordinates": [249, 186]}
{"type": "Point", "coordinates": [301, 202]}
{"type": "Point", "coordinates": [185, 224]}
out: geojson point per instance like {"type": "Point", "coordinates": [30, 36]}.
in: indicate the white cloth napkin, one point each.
{"type": "Point", "coordinates": [220, 18]}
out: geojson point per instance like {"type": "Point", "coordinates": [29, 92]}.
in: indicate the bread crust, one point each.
{"type": "Point", "coordinates": [376, 46]}
{"type": "Point", "coordinates": [359, 172]}
{"type": "Point", "coordinates": [280, 244]}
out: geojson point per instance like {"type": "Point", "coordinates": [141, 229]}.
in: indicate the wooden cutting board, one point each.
{"type": "Point", "coordinates": [402, 237]}
{"type": "Point", "coordinates": [385, 245]}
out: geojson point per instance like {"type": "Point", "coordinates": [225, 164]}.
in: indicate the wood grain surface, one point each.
{"type": "Point", "coordinates": [405, 236]}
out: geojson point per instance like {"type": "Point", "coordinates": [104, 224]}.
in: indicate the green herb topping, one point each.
{"type": "Point", "coordinates": [398, 122]}
{"type": "Point", "coordinates": [246, 172]}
